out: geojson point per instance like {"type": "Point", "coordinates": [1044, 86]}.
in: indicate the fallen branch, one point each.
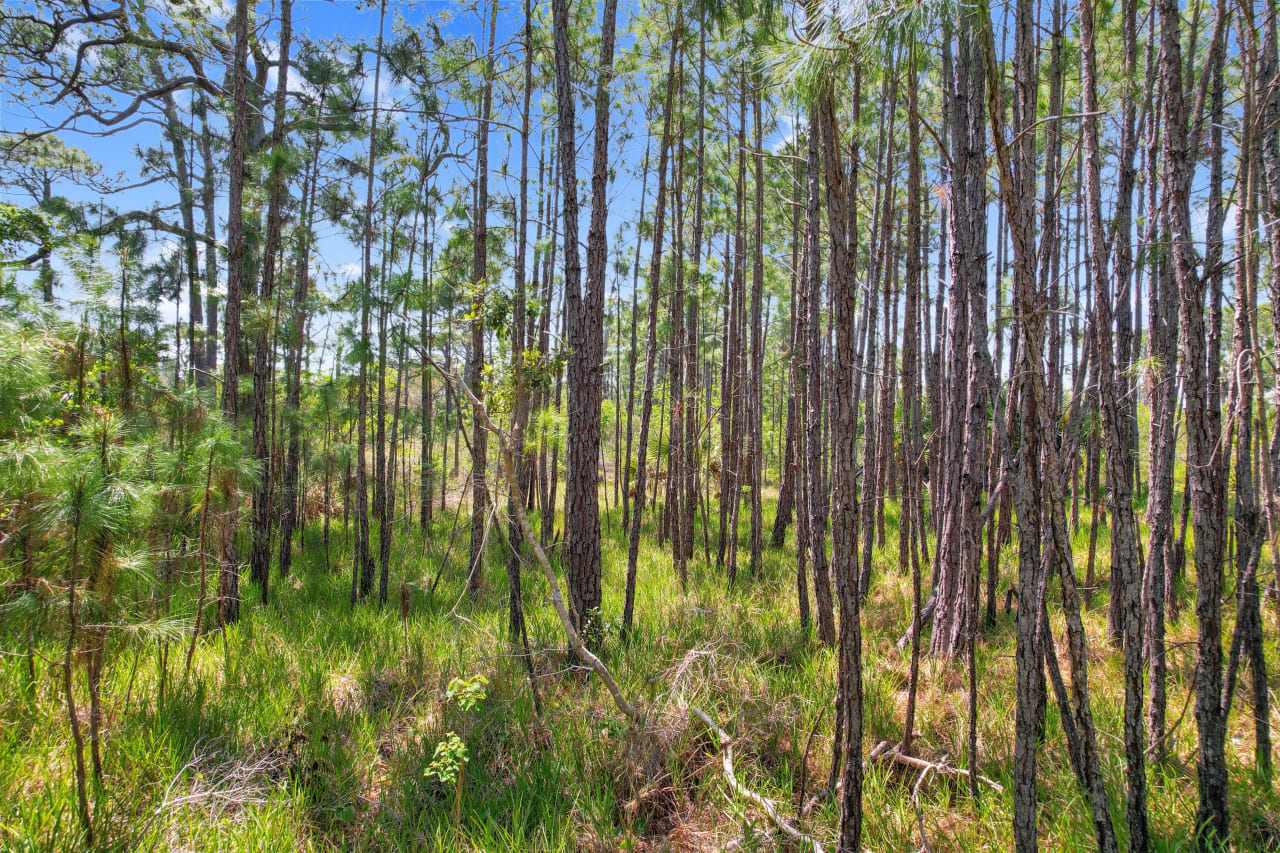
{"type": "Point", "coordinates": [540, 556]}
{"type": "Point", "coordinates": [926, 616]}
{"type": "Point", "coordinates": [893, 755]}
{"type": "Point", "coordinates": [726, 757]}
{"type": "Point", "coordinates": [915, 801]}
{"type": "Point", "coordinates": [227, 783]}
{"type": "Point", "coordinates": [825, 794]}
{"type": "Point", "coordinates": [816, 800]}
{"type": "Point", "coordinates": [646, 793]}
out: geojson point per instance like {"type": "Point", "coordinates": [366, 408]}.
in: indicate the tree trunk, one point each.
{"type": "Point", "coordinates": [475, 365]}
{"type": "Point", "coordinates": [1017, 185]}
{"type": "Point", "coordinates": [811, 308]}
{"type": "Point", "coordinates": [1203, 433]}
{"type": "Point", "coordinates": [755, 389]}
{"type": "Point", "coordinates": [1248, 635]}
{"type": "Point", "coordinates": [1125, 561]}
{"type": "Point", "coordinates": [263, 352]}
{"type": "Point", "coordinates": [631, 358]}
{"type": "Point", "coordinates": [844, 552]}
{"type": "Point", "coordinates": [296, 346]}
{"type": "Point", "coordinates": [586, 325]}
{"type": "Point", "coordinates": [520, 413]}
{"type": "Point", "coordinates": [655, 294]}
{"type": "Point", "coordinates": [229, 571]}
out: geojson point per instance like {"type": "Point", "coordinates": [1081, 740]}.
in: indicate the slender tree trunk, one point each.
{"type": "Point", "coordinates": [426, 340]}
{"type": "Point", "coordinates": [520, 415]}
{"type": "Point", "coordinates": [382, 474]}
{"type": "Point", "coordinates": [263, 352]}
{"type": "Point", "coordinates": [673, 516]}
{"type": "Point", "coordinates": [293, 368]}
{"type": "Point", "coordinates": [627, 491]}
{"type": "Point", "coordinates": [1163, 335]}
{"type": "Point", "coordinates": [735, 391]}
{"type": "Point", "coordinates": [229, 571]}
{"type": "Point", "coordinates": [208, 197]}
{"type": "Point", "coordinates": [177, 135]}
{"type": "Point", "coordinates": [693, 319]}
{"type": "Point", "coordinates": [1203, 434]}
{"type": "Point", "coordinates": [655, 294]}
{"type": "Point", "coordinates": [1017, 184]}
{"type": "Point", "coordinates": [362, 566]}
{"type": "Point", "coordinates": [1248, 634]}
{"type": "Point", "coordinates": [68, 688]}
{"type": "Point", "coordinates": [970, 374]}
{"type": "Point", "coordinates": [1125, 561]}
{"type": "Point", "coordinates": [910, 529]}
{"type": "Point", "coordinates": [788, 487]}
{"type": "Point", "coordinates": [811, 307]}
{"type": "Point", "coordinates": [475, 365]}
{"type": "Point", "coordinates": [844, 550]}
{"type": "Point", "coordinates": [755, 391]}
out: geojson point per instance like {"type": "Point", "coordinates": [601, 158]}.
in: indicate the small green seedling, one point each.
{"type": "Point", "coordinates": [467, 693]}
{"type": "Point", "coordinates": [450, 758]}
{"type": "Point", "coordinates": [449, 762]}
{"type": "Point", "coordinates": [449, 766]}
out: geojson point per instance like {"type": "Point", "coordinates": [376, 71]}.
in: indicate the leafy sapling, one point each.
{"type": "Point", "coordinates": [449, 761]}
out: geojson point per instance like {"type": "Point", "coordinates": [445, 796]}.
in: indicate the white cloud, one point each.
{"type": "Point", "coordinates": [1200, 224]}
{"type": "Point", "coordinates": [160, 250]}
{"type": "Point", "coordinates": [789, 127]}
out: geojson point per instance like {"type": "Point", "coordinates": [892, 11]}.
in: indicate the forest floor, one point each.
{"type": "Point", "coordinates": [311, 725]}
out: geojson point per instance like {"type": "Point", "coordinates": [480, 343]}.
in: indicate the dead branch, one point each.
{"type": "Point", "coordinates": [915, 801]}
{"type": "Point", "coordinates": [726, 757]}
{"type": "Point", "coordinates": [892, 755]}
{"type": "Point", "coordinates": [633, 713]}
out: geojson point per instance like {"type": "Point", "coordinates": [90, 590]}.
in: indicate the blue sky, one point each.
{"type": "Point", "coordinates": [336, 258]}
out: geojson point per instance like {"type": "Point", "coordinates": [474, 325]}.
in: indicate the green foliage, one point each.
{"type": "Point", "coordinates": [448, 761]}
{"type": "Point", "coordinates": [19, 227]}
{"type": "Point", "coordinates": [467, 693]}
{"type": "Point", "coordinates": [87, 491]}
{"type": "Point", "coordinates": [540, 371]}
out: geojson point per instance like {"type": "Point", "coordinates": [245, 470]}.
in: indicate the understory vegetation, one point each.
{"type": "Point", "coordinates": [583, 425]}
{"type": "Point", "coordinates": [313, 724]}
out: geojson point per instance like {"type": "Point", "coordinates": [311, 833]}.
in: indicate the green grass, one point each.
{"type": "Point", "coordinates": [309, 725]}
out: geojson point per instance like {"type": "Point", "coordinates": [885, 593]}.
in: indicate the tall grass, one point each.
{"type": "Point", "coordinates": [309, 725]}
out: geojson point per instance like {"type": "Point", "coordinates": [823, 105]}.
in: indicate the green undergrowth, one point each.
{"type": "Point", "coordinates": [313, 725]}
